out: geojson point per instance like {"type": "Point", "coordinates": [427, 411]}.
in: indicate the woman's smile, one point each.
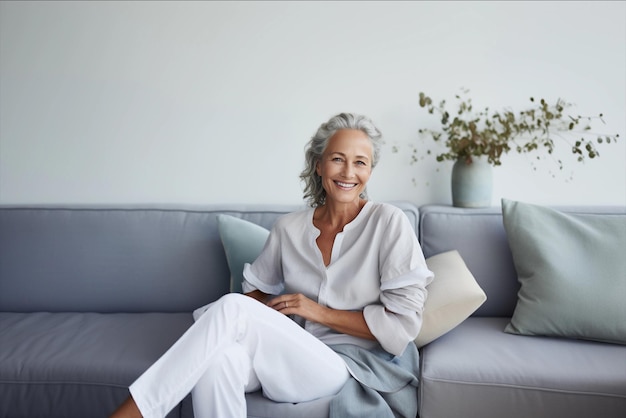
{"type": "Point", "coordinates": [345, 186]}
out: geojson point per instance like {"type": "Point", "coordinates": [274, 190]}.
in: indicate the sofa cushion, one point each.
{"type": "Point", "coordinates": [479, 237]}
{"type": "Point", "coordinates": [243, 242]}
{"type": "Point", "coordinates": [261, 407]}
{"type": "Point", "coordinates": [478, 370]}
{"type": "Point", "coordinates": [571, 269]}
{"type": "Point", "coordinates": [453, 295]}
{"type": "Point", "coordinates": [108, 258]}
{"type": "Point", "coordinates": [79, 364]}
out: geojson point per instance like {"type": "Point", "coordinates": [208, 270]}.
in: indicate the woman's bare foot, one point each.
{"type": "Point", "coordinates": [128, 409]}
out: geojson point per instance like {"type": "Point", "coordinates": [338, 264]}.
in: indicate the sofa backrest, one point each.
{"type": "Point", "coordinates": [480, 238]}
{"type": "Point", "coordinates": [80, 259]}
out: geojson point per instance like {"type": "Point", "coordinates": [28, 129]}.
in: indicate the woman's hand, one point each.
{"type": "Point", "coordinates": [347, 322]}
{"type": "Point", "coordinates": [297, 304]}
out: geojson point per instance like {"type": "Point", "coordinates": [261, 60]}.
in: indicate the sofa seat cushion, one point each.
{"type": "Point", "coordinates": [261, 407]}
{"type": "Point", "coordinates": [479, 370]}
{"type": "Point", "coordinates": [79, 364]}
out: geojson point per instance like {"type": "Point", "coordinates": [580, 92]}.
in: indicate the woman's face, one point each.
{"type": "Point", "coordinates": [346, 165]}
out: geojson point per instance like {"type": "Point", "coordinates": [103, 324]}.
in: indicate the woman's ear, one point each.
{"type": "Point", "coordinates": [317, 168]}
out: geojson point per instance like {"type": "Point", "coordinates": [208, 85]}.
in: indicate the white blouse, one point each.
{"type": "Point", "coordinates": [377, 266]}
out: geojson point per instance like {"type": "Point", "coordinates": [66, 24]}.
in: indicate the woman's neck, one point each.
{"type": "Point", "coordinates": [337, 215]}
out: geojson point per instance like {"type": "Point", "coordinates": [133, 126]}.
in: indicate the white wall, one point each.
{"type": "Point", "coordinates": [213, 102]}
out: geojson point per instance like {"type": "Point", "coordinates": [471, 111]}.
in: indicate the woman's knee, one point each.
{"type": "Point", "coordinates": [236, 300]}
{"type": "Point", "coordinates": [232, 308]}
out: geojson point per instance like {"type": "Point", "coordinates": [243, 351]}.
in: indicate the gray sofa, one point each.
{"type": "Point", "coordinates": [90, 297]}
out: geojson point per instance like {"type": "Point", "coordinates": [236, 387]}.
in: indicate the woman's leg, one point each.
{"type": "Point", "coordinates": [220, 392]}
{"type": "Point", "coordinates": [290, 364]}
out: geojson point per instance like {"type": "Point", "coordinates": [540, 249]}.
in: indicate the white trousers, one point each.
{"type": "Point", "coordinates": [239, 345]}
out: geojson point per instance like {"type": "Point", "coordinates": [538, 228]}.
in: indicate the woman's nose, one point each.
{"type": "Point", "coordinates": [347, 171]}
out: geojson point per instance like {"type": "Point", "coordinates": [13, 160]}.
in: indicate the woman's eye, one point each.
{"type": "Point", "coordinates": [361, 163]}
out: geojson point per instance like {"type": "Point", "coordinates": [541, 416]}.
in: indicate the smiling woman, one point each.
{"type": "Point", "coordinates": [342, 282]}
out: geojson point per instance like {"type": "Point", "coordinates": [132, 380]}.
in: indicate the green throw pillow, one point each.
{"type": "Point", "coordinates": [243, 242]}
{"type": "Point", "coordinates": [572, 271]}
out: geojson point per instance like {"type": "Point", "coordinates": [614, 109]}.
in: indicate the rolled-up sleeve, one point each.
{"type": "Point", "coordinates": [394, 329]}
{"type": "Point", "coordinates": [397, 320]}
{"type": "Point", "coordinates": [253, 282]}
{"type": "Point", "coordinates": [265, 273]}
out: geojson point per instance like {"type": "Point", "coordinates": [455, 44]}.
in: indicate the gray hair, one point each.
{"type": "Point", "coordinates": [314, 192]}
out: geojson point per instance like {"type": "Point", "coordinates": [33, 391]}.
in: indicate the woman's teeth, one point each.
{"type": "Point", "coordinates": [345, 185]}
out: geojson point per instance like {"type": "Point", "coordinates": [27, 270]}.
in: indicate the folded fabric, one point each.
{"type": "Point", "coordinates": [382, 385]}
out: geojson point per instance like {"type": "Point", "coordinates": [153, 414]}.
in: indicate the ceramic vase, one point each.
{"type": "Point", "coordinates": [472, 183]}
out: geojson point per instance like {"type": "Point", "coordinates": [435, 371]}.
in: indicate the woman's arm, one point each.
{"type": "Point", "coordinates": [347, 322]}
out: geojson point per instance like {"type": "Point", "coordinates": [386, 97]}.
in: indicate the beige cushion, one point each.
{"type": "Point", "coordinates": [453, 296]}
